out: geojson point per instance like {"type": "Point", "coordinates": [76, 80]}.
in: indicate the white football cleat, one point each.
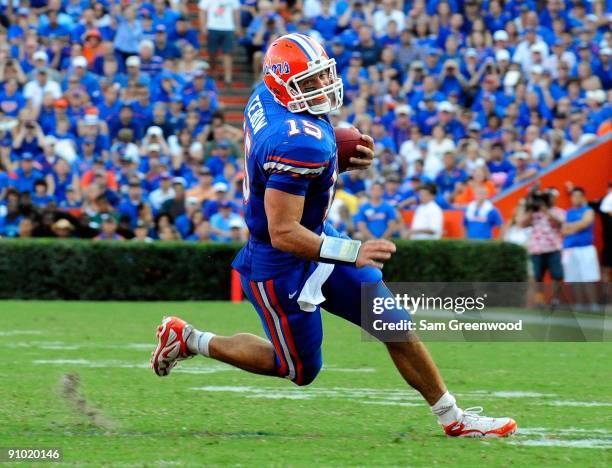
{"type": "Point", "coordinates": [172, 337]}
{"type": "Point", "coordinates": [471, 424]}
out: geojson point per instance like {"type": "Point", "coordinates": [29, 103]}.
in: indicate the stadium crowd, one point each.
{"type": "Point", "coordinates": [111, 125]}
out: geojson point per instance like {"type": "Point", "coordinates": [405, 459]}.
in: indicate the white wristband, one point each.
{"type": "Point", "coordinates": [338, 250]}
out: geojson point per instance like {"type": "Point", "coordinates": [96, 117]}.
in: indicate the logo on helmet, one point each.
{"type": "Point", "coordinates": [278, 68]}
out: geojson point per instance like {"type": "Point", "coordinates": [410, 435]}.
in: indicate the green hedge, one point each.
{"type": "Point", "coordinates": [74, 269]}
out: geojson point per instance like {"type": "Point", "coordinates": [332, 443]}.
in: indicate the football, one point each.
{"type": "Point", "coordinates": [347, 140]}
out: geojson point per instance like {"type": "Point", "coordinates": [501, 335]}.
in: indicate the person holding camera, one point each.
{"type": "Point", "coordinates": [29, 137]}
{"type": "Point", "coordinates": [546, 240]}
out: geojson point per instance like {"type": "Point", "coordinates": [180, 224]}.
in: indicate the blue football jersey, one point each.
{"type": "Point", "coordinates": [291, 152]}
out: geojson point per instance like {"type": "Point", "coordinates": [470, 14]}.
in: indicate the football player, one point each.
{"type": "Point", "coordinates": [295, 263]}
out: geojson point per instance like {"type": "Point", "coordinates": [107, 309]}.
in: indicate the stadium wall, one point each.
{"type": "Point", "coordinates": [86, 270]}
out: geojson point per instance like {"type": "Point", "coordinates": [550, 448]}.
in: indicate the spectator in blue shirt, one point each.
{"type": "Point", "coordinates": [86, 79]}
{"type": "Point", "coordinates": [150, 63]}
{"type": "Point", "coordinates": [201, 83]}
{"type": "Point", "coordinates": [29, 138]}
{"type": "Point", "coordinates": [393, 195]}
{"type": "Point", "coordinates": [52, 29]}
{"type": "Point", "coordinates": [326, 22]}
{"type": "Point", "coordinates": [448, 177]}
{"type": "Point", "coordinates": [220, 156]}
{"type": "Point", "coordinates": [498, 164]}
{"type": "Point", "coordinates": [11, 99]}
{"type": "Point", "coordinates": [481, 216]}
{"type": "Point", "coordinates": [164, 48]}
{"type": "Point", "coordinates": [40, 197]}
{"type": "Point", "coordinates": [451, 79]}
{"type": "Point", "coordinates": [129, 206]}
{"type": "Point", "coordinates": [368, 47]}
{"type": "Point", "coordinates": [184, 222]}
{"type": "Point", "coordinates": [25, 175]}
{"type": "Point", "coordinates": [342, 56]}
{"type": "Point", "coordinates": [211, 207]}
{"type": "Point", "coordinates": [182, 34]}
{"type": "Point", "coordinates": [129, 32]}
{"type": "Point", "coordinates": [222, 223]}
{"type": "Point", "coordinates": [382, 139]}
{"type": "Point", "coordinates": [433, 65]}
{"type": "Point", "coordinates": [377, 219]}
{"type": "Point", "coordinates": [429, 92]}
{"type": "Point", "coordinates": [580, 260]}
{"type": "Point", "coordinates": [391, 36]}
{"type": "Point", "coordinates": [125, 119]}
{"type": "Point", "coordinates": [354, 182]}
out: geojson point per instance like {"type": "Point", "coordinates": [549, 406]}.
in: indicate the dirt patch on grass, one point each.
{"type": "Point", "coordinates": [70, 391]}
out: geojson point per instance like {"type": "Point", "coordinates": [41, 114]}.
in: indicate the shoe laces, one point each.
{"type": "Point", "coordinates": [473, 412]}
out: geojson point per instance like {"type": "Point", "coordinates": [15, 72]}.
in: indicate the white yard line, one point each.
{"type": "Point", "coordinates": [569, 443]}
{"type": "Point", "coordinates": [576, 404]}
{"type": "Point", "coordinates": [21, 332]}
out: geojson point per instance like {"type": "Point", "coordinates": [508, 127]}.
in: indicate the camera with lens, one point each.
{"type": "Point", "coordinates": [538, 200]}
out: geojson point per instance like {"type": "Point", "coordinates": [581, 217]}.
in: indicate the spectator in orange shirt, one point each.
{"type": "Point", "coordinates": [93, 46]}
{"type": "Point", "coordinates": [98, 169]}
{"type": "Point", "coordinates": [480, 178]}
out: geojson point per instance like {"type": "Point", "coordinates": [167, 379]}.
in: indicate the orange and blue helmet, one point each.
{"type": "Point", "coordinates": [293, 58]}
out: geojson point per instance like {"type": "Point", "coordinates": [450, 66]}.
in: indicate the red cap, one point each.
{"type": "Point", "coordinates": [93, 33]}
{"type": "Point", "coordinates": [61, 103]}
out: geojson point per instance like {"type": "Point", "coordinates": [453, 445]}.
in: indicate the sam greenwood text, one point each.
{"type": "Point", "coordinates": [451, 325]}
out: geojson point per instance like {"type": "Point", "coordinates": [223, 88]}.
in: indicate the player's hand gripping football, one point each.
{"type": "Point", "coordinates": [375, 253]}
{"type": "Point", "coordinates": [364, 161]}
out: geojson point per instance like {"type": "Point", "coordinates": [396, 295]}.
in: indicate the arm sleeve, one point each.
{"type": "Point", "coordinates": [294, 164]}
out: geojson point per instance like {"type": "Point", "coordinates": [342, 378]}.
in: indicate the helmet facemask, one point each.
{"type": "Point", "coordinates": [318, 101]}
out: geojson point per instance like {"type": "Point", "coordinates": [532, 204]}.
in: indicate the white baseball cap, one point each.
{"type": "Point", "coordinates": [40, 55]}
{"type": "Point", "coordinates": [597, 95]}
{"type": "Point", "coordinates": [154, 131]}
{"type": "Point", "coordinates": [502, 55]}
{"type": "Point", "coordinates": [538, 47]}
{"type": "Point", "coordinates": [446, 106]}
{"type": "Point", "coordinates": [132, 61]}
{"type": "Point", "coordinates": [512, 78]}
{"type": "Point", "coordinates": [79, 61]}
{"type": "Point", "coordinates": [521, 155]}
{"type": "Point", "coordinates": [402, 109]}
{"type": "Point", "coordinates": [236, 223]}
{"type": "Point", "coordinates": [220, 187]}
{"type": "Point", "coordinates": [500, 35]}
{"type": "Point", "coordinates": [91, 119]}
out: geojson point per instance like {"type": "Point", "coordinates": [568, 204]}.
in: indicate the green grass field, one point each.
{"type": "Point", "coordinates": [358, 411]}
